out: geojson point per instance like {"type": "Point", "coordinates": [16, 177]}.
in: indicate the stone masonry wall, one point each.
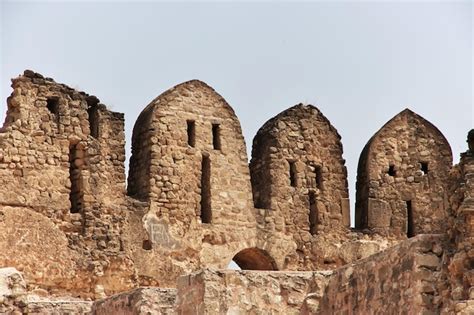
{"type": "Point", "coordinates": [402, 178]}
{"type": "Point", "coordinates": [62, 178]}
{"type": "Point", "coordinates": [298, 174]}
{"type": "Point", "coordinates": [404, 279]}
{"type": "Point", "coordinates": [189, 163]}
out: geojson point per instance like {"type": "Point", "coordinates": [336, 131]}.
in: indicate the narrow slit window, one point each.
{"type": "Point", "coordinates": [424, 167]}
{"type": "Point", "coordinates": [76, 195]}
{"type": "Point", "coordinates": [216, 136]}
{"type": "Point", "coordinates": [53, 106]}
{"type": "Point", "coordinates": [94, 121]}
{"type": "Point", "coordinates": [293, 179]}
{"type": "Point", "coordinates": [313, 213]}
{"type": "Point", "coordinates": [191, 133]}
{"type": "Point", "coordinates": [206, 212]}
{"type": "Point", "coordinates": [319, 177]}
{"type": "Point", "coordinates": [391, 170]}
{"type": "Point", "coordinates": [410, 226]}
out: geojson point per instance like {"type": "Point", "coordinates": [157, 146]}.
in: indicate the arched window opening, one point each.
{"type": "Point", "coordinates": [293, 177]}
{"type": "Point", "coordinates": [410, 225]}
{"type": "Point", "coordinates": [206, 212]}
{"type": "Point", "coordinates": [76, 195]}
{"type": "Point", "coordinates": [191, 133]}
{"type": "Point", "coordinates": [254, 259]}
{"type": "Point", "coordinates": [216, 136]}
{"type": "Point", "coordinates": [313, 213]}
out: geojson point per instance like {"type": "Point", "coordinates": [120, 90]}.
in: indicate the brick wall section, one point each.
{"type": "Point", "coordinates": [407, 160]}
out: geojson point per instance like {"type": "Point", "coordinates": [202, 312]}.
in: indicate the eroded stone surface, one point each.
{"type": "Point", "coordinates": [70, 227]}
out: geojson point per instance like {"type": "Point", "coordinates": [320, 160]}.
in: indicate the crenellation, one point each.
{"type": "Point", "coordinates": [74, 225]}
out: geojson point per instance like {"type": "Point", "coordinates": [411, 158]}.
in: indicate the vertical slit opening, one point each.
{"type": "Point", "coordinates": [313, 213]}
{"type": "Point", "coordinates": [206, 213]}
{"type": "Point", "coordinates": [53, 106]}
{"type": "Point", "coordinates": [424, 167]}
{"type": "Point", "coordinates": [216, 136]}
{"type": "Point", "coordinates": [293, 179]}
{"type": "Point", "coordinates": [76, 195]}
{"type": "Point", "coordinates": [93, 121]}
{"type": "Point", "coordinates": [391, 170]}
{"type": "Point", "coordinates": [410, 226]}
{"type": "Point", "coordinates": [191, 133]}
{"type": "Point", "coordinates": [319, 177]}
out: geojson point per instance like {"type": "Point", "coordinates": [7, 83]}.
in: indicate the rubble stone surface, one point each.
{"type": "Point", "coordinates": [80, 237]}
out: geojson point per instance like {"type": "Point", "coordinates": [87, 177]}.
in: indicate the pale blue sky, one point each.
{"type": "Point", "coordinates": [360, 63]}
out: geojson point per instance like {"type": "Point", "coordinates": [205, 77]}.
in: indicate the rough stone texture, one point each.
{"type": "Point", "coordinates": [251, 292]}
{"type": "Point", "coordinates": [402, 178]}
{"type": "Point", "coordinates": [192, 202]}
{"type": "Point", "coordinates": [298, 174]}
{"type": "Point", "coordinates": [138, 301]}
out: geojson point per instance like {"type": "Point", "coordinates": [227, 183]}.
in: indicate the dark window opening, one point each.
{"type": "Point", "coordinates": [93, 112]}
{"type": "Point", "coordinates": [313, 213]}
{"type": "Point", "coordinates": [410, 227]}
{"type": "Point", "coordinates": [391, 170]}
{"type": "Point", "coordinates": [424, 167]}
{"type": "Point", "coordinates": [147, 245]}
{"type": "Point", "coordinates": [76, 195]}
{"type": "Point", "coordinates": [206, 213]}
{"type": "Point", "coordinates": [293, 179]}
{"type": "Point", "coordinates": [191, 133]}
{"type": "Point", "coordinates": [53, 106]}
{"type": "Point", "coordinates": [319, 177]}
{"type": "Point", "coordinates": [216, 136]}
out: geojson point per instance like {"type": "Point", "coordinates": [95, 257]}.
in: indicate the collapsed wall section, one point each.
{"type": "Point", "coordinates": [61, 161]}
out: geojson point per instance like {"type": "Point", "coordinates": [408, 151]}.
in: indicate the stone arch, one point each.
{"type": "Point", "coordinates": [401, 177]}
{"type": "Point", "coordinates": [254, 258]}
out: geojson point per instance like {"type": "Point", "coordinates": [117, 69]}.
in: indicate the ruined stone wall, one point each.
{"type": "Point", "coordinates": [250, 292]}
{"type": "Point", "coordinates": [298, 173]}
{"type": "Point", "coordinates": [402, 178]}
{"type": "Point", "coordinates": [197, 184]}
{"type": "Point", "coordinates": [460, 269]}
{"type": "Point", "coordinates": [61, 166]}
{"type": "Point", "coordinates": [404, 279]}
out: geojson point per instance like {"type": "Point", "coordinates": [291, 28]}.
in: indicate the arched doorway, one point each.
{"type": "Point", "coordinates": [254, 259]}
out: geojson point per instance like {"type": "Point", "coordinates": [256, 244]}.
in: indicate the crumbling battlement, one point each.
{"type": "Point", "coordinates": [72, 225]}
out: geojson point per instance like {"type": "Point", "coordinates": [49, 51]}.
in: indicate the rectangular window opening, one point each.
{"type": "Point", "coordinates": [206, 212]}
{"type": "Point", "coordinates": [410, 226]}
{"type": "Point", "coordinates": [76, 195]}
{"type": "Point", "coordinates": [93, 121]}
{"type": "Point", "coordinates": [293, 179]}
{"type": "Point", "coordinates": [53, 106]}
{"type": "Point", "coordinates": [216, 136]}
{"type": "Point", "coordinates": [191, 133]}
{"type": "Point", "coordinates": [391, 170]}
{"type": "Point", "coordinates": [424, 167]}
{"type": "Point", "coordinates": [319, 177]}
{"type": "Point", "coordinates": [313, 213]}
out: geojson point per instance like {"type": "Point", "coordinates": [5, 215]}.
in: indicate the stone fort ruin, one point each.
{"type": "Point", "coordinates": [78, 236]}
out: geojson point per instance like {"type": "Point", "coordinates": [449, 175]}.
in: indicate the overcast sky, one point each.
{"type": "Point", "coordinates": [360, 63]}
